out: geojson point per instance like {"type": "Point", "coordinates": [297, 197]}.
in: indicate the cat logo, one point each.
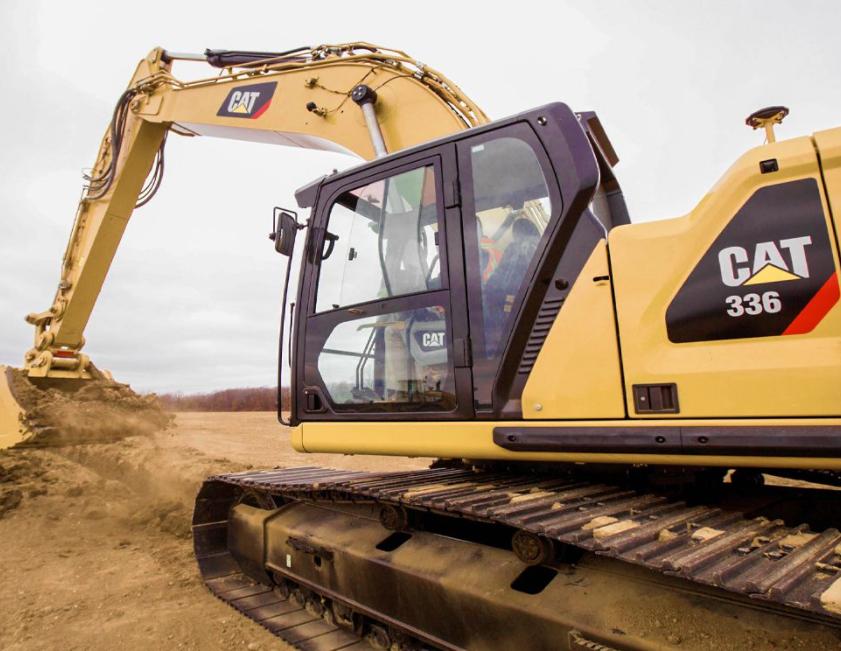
{"type": "Point", "coordinates": [243, 101]}
{"type": "Point", "coordinates": [248, 101]}
{"type": "Point", "coordinates": [771, 262]}
{"type": "Point", "coordinates": [770, 271]}
{"type": "Point", "coordinates": [432, 339]}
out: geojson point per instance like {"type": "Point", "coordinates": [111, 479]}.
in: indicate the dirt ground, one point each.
{"type": "Point", "coordinates": [95, 549]}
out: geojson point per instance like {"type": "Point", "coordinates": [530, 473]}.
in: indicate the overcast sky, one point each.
{"type": "Point", "coordinates": [192, 300]}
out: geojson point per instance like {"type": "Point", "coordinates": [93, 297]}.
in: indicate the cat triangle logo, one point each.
{"type": "Point", "coordinates": [771, 274]}
{"type": "Point", "coordinates": [249, 102]}
{"type": "Point", "coordinates": [766, 263]}
{"type": "Point", "coordinates": [242, 107]}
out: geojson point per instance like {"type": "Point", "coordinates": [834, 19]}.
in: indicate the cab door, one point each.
{"type": "Point", "coordinates": [384, 318]}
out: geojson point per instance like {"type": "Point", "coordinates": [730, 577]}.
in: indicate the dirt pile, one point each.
{"type": "Point", "coordinates": [96, 552]}
{"type": "Point", "coordinates": [99, 410]}
{"type": "Point", "coordinates": [19, 476]}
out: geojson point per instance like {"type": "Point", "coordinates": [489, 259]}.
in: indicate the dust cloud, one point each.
{"type": "Point", "coordinates": [99, 410]}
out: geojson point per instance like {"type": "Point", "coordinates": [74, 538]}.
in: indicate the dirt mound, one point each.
{"type": "Point", "coordinates": [169, 516]}
{"type": "Point", "coordinates": [96, 552]}
{"type": "Point", "coordinates": [99, 410]}
{"type": "Point", "coordinates": [18, 475]}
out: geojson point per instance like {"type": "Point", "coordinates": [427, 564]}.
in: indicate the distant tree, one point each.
{"type": "Point", "coordinates": [246, 399]}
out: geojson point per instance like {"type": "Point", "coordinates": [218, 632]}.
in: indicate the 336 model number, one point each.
{"type": "Point", "coordinates": [753, 304]}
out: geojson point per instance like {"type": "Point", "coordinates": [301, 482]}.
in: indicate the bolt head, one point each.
{"type": "Point", "coordinates": [363, 94]}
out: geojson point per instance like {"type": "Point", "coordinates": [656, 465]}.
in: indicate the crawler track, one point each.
{"type": "Point", "coordinates": [764, 559]}
{"type": "Point", "coordinates": [282, 615]}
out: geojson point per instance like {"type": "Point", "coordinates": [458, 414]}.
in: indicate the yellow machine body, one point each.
{"type": "Point", "coordinates": [595, 352]}
{"type": "Point", "coordinates": [743, 378]}
{"type": "Point", "coordinates": [474, 440]}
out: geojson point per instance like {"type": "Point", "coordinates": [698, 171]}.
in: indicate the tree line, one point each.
{"type": "Point", "coordinates": [246, 399]}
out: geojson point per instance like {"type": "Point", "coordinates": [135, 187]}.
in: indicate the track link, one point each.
{"type": "Point", "coordinates": [283, 615]}
{"type": "Point", "coordinates": [757, 557]}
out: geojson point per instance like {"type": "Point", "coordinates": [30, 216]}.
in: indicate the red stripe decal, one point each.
{"type": "Point", "coordinates": [262, 110]}
{"type": "Point", "coordinates": [816, 309]}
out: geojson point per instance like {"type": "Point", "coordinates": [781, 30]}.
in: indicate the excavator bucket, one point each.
{"type": "Point", "coordinates": [66, 412]}
{"type": "Point", "coordinates": [13, 429]}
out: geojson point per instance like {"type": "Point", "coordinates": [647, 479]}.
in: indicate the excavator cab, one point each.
{"type": "Point", "coordinates": [418, 284]}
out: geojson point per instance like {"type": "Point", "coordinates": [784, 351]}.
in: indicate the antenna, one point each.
{"type": "Point", "coordinates": [766, 118]}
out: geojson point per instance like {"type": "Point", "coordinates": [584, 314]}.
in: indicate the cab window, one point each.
{"type": "Point", "coordinates": [506, 220]}
{"type": "Point", "coordinates": [392, 362]}
{"type": "Point", "coordinates": [382, 241]}
{"type": "Point", "coordinates": [382, 252]}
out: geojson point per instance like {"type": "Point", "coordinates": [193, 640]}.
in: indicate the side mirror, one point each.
{"type": "Point", "coordinates": [284, 229]}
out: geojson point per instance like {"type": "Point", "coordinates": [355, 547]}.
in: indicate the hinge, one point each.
{"type": "Point", "coordinates": [452, 193]}
{"type": "Point", "coordinates": [461, 352]}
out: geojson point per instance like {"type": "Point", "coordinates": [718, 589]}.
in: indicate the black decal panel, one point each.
{"type": "Point", "coordinates": [248, 101]}
{"type": "Point", "coordinates": [761, 271]}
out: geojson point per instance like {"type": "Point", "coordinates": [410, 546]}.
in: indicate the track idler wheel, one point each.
{"type": "Point", "coordinates": [344, 616]}
{"type": "Point", "coordinates": [258, 500]}
{"type": "Point", "coordinates": [394, 518]}
{"type": "Point", "coordinates": [403, 642]}
{"type": "Point", "coordinates": [315, 605]}
{"type": "Point", "coordinates": [532, 549]}
{"type": "Point", "coordinates": [299, 596]}
{"type": "Point", "coordinates": [378, 637]}
{"type": "Point", "coordinates": [282, 587]}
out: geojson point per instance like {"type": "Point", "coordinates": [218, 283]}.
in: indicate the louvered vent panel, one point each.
{"type": "Point", "coordinates": [539, 331]}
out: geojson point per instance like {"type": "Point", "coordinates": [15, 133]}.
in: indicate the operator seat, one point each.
{"type": "Point", "coordinates": [501, 290]}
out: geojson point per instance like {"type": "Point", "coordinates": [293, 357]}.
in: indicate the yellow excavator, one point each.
{"type": "Point", "coordinates": [633, 423]}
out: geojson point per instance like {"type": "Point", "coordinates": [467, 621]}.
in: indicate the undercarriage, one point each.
{"type": "Point", "coordinates": [457, 558]}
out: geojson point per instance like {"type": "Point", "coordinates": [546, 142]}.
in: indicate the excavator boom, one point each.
{"type": "Point", "coordinates": [303, 99]}
{"type": "Point", "coordinates": [300, 98]}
